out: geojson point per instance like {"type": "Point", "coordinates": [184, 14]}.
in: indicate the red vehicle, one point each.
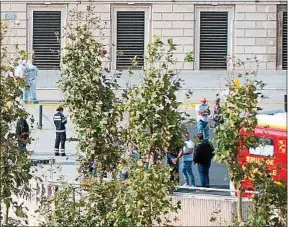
{"type": "Point", "coordinates": [272, 129]}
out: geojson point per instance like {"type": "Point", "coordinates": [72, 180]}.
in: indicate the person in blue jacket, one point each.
{"type": "Point", "coordinates": [60, 122]}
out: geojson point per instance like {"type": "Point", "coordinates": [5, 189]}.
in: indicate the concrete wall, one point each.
{"type": "Point", "coordinates": [196, 209]}
{"type": "Point", "coordinates": [253, 32]}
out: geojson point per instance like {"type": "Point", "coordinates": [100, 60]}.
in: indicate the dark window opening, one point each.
{"type": "Point", "coordinates": [46, 39]}
{"type": "Point", "coordinates": [284, 42]}
{"type": "Point", "coordinates": [130, 38]}
{"type": "Point", "coordinates": [213, 40]}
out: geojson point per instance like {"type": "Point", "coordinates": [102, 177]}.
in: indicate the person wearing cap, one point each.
{"type": "Point", "coordinates": [60, 122]}
{"type": "Point", "coordinates": [32, 71]}
{"type": "Point", "coordinates": [203, 112]}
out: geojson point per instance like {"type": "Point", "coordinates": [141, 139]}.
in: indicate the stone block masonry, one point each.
{"type": "Point", "coordinates": [256, 30]}
{"type": "Point", "coordinates": [253, 31]}
{"type": "Point", "coordinates": [176, 21]}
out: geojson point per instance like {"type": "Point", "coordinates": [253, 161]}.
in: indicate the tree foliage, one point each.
{"type": "Point", "coordinates": [138, 201]}
{"type": "Point", "coordinates": [14, 165]}
{"type": "Point", "coordinates": [154, 117]}
{"type": "Point", "coordinates": [96, 111]}
{"type": "Point", "coordinates": [88, 92]}
{"type": "Point", "coordinates": [269, 206]}
{"type": "Point", "coordinates": [236, 134]}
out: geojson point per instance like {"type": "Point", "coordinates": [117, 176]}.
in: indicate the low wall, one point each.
{"type": "Point", "coordinates": [196, 209]}
{"type": "Point", "coordinates": [206, 210]}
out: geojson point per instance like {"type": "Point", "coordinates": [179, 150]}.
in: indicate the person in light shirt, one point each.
{"type": "Point", "coordinates": [186, 153]}
{"type": "Point", "coordinates": [203, 112]}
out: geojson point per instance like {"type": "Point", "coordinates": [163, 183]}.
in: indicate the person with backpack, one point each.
{"type": "Point", "coordinates": [22, 133]}
{"type": "Point", "coordinates": [203, 154]}
{"type": "Point", "coordinates": [60, 122]}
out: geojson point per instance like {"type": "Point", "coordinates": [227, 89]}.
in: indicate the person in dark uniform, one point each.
{"type": "Point", "coordinates": [22, 133]}
{"type": "Point", "coordinates": [60, 122]}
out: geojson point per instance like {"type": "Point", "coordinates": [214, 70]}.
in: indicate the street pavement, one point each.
{"type": "Point", "coordinates": [65, 168]}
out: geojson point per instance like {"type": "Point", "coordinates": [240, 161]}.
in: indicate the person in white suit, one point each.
{"type": "Point", "coordinates": [32, 71]}
{"type": "Point", "coordinates": [21, 72]}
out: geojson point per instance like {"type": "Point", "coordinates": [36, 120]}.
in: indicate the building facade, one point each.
{"type": "Point", "coordinates": [213, 30]}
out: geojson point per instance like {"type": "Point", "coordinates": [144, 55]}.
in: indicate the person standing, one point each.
{"type": "Point", "coordinates": [22, 133]}
{"type": "Point", "coordinates": [186, 153]}
{"type": "Point", "coordinates": [130, 155]}
{"type": "Point", "coordinates": [32, 71]}
{"type": "Point", "coordinates": [60, 122]}
{"type": "Point", "coordinates": [202, 112]}
{"type": "Point", "coordinates": [173, 165]}
{"type": "Point", "coordinates": [216, 115]}
{"type": "Point", "coordinates": [203, 155]}
{"type": "Point", "coordinates": [21, 72]}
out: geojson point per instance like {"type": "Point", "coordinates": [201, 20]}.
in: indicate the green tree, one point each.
{"type": "Point", "coordinates": [96, 111]}
{"type": "Point", "coordinates": [139, 201]}
{"type": "Point", "coordinates": [14, 165]}
{"type": "Point", "coordinates": [239, 109]}
{"type": "Point", "coordinates": [88, 92]}
{"type": "Point", "coordinates": [269, 206]}
{"type": "Point", "coordinates": [155, 121]}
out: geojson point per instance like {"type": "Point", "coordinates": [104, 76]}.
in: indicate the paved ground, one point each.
{"type": "Point", "coordinates": [66, 167]}
{"type": "Point", "coordinates": [43, 147]}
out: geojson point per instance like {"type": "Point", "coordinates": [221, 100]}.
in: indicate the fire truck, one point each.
{"type": "Point", "coordinates": [272, 129]}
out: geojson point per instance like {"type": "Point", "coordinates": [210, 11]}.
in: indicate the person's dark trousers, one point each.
{"type": "Point", "coordinates": [22, 146]}
{"type": "Point", "coordinates": [204, 174]}
{"type": "Point", "coordinates": [60, 139]}
{"type": "Point", "coordinates": [124, 176]}
{"type": "Point", "coordinates": [174, 171]}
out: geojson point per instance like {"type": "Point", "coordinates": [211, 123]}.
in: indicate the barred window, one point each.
{"type": "Point", "coordinates": [213, 40]}
{"type": "Point", "coordinates": [130, 38]}
{"type": "Point", "coordinates": [282, 38]}
{"type": "Point", "coordinates": [46, 39]}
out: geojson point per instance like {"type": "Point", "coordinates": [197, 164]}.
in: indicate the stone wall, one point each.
{"type": "Point", "coordinates": [253, 30]}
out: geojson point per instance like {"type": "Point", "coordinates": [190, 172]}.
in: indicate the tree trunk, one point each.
{"type": "Point", "coordinates": [99, 172]}
{"type": "Point", "coordinates": [7, 213]}
{"type": "Point", "coordinates": [239, 205]}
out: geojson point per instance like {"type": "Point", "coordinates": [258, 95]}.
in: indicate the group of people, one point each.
{"type": "Point", "coordinates": [22, 132]}
{"type": "Point", "coordinates": [201, 153]}
{"type": "Point", "coordinates": [29, 72]}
